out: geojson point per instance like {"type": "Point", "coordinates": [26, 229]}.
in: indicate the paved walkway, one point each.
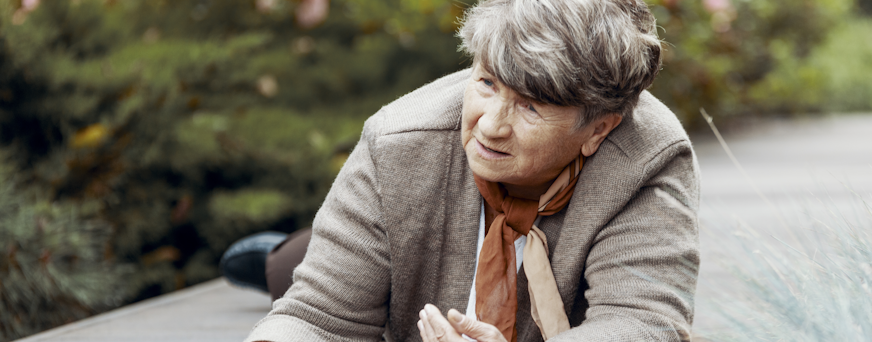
{"type": "Point", "coordinates": [211, 311]}
{"type": "Point", "coordinates": [794, 164]}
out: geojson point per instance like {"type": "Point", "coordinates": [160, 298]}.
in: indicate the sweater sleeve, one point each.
{"type": "Point", "coordinates": [341, 288]}
{"type": "Point", "coordinates": [643, 266]}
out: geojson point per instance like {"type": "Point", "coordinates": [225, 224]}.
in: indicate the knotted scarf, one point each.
{"type": "Point", "coordinates": [496, 299]}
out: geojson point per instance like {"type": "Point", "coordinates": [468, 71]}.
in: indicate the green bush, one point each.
{"type": "Point", "coordinates": [743, 57]}
{"type": "Point", "coordinates": [53, 268]}
{"type": "Point", "coordinates": [845, 59]}
{"type": "Point", "coordinates": [191, 124]}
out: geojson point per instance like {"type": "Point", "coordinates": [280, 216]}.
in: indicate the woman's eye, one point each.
{"type": "Point", "coordinates": [530, 107]}
{"type": "Point", "coordinates": [487, 82]}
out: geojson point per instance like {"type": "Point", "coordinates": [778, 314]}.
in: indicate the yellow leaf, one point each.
{"type": "Point", "coordinates": [90, 136]}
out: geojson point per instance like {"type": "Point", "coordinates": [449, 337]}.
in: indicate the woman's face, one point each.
{"type": "Point", "coordinates": [513, 140]}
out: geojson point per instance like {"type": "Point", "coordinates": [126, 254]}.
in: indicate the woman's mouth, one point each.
{"type": "Point", "coordinates": [489, 153]}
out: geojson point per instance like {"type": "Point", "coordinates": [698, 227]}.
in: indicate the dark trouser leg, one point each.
{"type": "Point", "coordinates": [283, 259]}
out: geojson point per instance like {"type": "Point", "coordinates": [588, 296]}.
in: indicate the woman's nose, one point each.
{"type": "Point", "coordinates": [496, 121]}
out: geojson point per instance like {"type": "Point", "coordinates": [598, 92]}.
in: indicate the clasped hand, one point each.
{"type": "Point", "coordinates": [435, 327]}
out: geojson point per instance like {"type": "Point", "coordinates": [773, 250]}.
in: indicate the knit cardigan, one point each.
{"type": "Point", "coordinates": [398, 230]}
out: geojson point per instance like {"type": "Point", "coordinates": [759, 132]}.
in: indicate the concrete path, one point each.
{"type": "Point", "coordinates": [796, 165]}
{"type": "Point", "coordinates": [212, 311]}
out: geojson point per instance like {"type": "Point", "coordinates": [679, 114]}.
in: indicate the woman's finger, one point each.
{"type": "Point", "coordinates": [477, 330]}
{"type": "Point", "coordinates": [439, 324]}
{"type": "Point", "coordinates": [423, 333]}
{"type": "Point", "coordinates": [437, 327]}
{"type": "Point", "coordinates": [427, 333]}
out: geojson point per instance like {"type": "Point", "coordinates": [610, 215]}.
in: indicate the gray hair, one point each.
{"type": "Point", "coordinates": [595, 54]}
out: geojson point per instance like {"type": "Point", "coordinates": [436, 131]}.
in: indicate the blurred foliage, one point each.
{"type": "Point", "coordinates": [845, 59]}
{"type": "Point", "coordinates": [185, 125]}
{"type": "Point", "coordinates": [51, 256]}
{"type": "Point", "coordinates": [190, 124]}
{"type": "Point", "coordinates": [725, 55]}
{"type": "Point", "coordinates": [865, 6]}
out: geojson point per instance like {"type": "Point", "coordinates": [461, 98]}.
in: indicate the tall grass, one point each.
{"type": "Point", "coordinates": [813, 285]}
{"type": "Point", "coordinates": [815, 290]}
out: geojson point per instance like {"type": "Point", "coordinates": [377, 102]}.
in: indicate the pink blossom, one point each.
{"type": "Point", "coordinates": [714, 6]}
{"type": "Point", "coordinates": [265, 6]}
{"type": "Point", "coordinates": [310, 13]}
{"type": "Point", "coordinates": [29, 5]}
{"type": "Point", "coordinates": [20, 14]}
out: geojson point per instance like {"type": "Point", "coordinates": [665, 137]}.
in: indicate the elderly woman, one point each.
{"type": "Point", "coordinates": [542, 194]}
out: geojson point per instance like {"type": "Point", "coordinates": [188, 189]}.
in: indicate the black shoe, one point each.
{"type": "Point", "coordinates": [244, 263]}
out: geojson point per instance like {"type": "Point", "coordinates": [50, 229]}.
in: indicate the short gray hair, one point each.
{"type": "Point", "coordinates": [595, 54]}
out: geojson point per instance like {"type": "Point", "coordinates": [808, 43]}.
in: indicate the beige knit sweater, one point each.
{"type": "Point", "coordinates": [399, 228]}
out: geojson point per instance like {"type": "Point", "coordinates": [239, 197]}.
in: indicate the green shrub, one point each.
{"type": "Point", "coordinates": [194, 123]}
{"type": "Point", "coordinates": [845, 59]}
{"type": "Point", "coordinates": [53, 265]}
{"type": "Point", "coordinates": [723, 55]}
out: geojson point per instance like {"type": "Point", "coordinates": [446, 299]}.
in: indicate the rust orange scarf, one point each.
{"type": "Point", "coordinates": [496, 299]}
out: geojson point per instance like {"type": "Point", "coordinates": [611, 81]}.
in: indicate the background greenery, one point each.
{"type": "Point", "coordinates": [141, 138]}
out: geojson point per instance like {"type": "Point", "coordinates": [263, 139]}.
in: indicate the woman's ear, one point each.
{"type": "Point", "coordinates": [598, 130]}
